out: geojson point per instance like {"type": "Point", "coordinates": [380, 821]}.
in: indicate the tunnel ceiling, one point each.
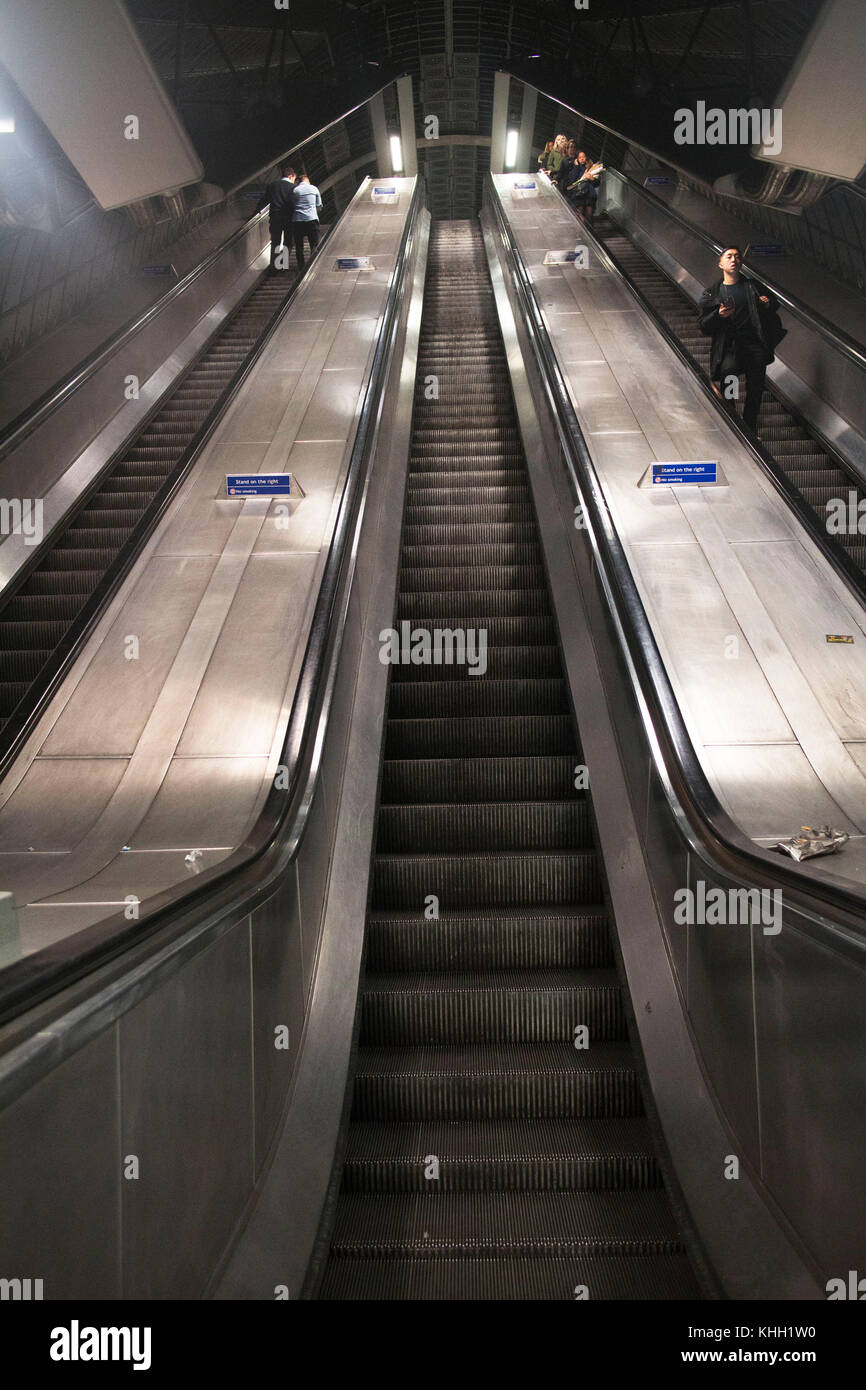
{"type": "Point", "coordinates": [249, 78]}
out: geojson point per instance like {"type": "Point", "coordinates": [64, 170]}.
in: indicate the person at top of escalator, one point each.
{"type": "Point", "coordinates": [565, 172]}
{"type": "Point", "coordinates": [279, 199]}
{"type": "Point", "coordinates": [741, 316]}
{"type": "Point", "coordinates": [305, 222]}
{"type": "Point", "coordinates": [545, 155]}
{"type": "Point", "coordinates": [582, 191]}
{"type": "Point", "coordinates": [556, 156]}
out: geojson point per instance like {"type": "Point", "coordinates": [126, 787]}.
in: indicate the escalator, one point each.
{"type": "Point", "coordinates": [35, 619]}
{"type": "Point", "coordinates": [802, 458]}
{"type": "Point", "coordinates": [488, 1156]}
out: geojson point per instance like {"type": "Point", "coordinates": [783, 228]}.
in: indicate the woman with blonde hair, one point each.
{"type": "Point", "coordinates": [557, 155]}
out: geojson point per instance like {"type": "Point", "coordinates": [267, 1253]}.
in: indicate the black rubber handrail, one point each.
{"type": "Point", "coordinates": [813, 319]}
{"type": "Point", "coordinates": [35, 414]}
{"type": "Point", "coordinates": [841, 340]}
{"type": "Point", "coordinates": [832, 904]}
{"type": "Point", "coordinates": [835, 554]}
{"type": "Point", "coordinates": [17, 430]}
{"type": "Point", "coordinates": [42, 689]}
{"type": "Point", "coordinates": [242, 879]}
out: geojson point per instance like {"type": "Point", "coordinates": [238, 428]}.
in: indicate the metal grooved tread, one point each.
{"type": "Point", "coordinates": [785, 436]}
{"type": "Point", "coordinates": [36, 618]}
{"type": "Point", "coordinates": [487, 1156]}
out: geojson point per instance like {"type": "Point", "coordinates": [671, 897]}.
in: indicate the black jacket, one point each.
{"type": "Point", "coordinates": [764, 318]}
{"type": "Point", "coordinates": [280, 198]}
{"type": "Point", "coordinates": [565, 175]}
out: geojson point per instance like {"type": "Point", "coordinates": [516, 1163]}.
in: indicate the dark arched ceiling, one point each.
{"type": "Point", "coordinates": [250, 78]}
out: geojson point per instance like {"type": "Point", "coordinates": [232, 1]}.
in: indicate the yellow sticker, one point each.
{"type": "Point", "coordinates": [835, 637]}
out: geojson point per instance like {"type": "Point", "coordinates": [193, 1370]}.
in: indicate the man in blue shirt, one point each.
{"type": "Point", "coordinates": [305, 219]}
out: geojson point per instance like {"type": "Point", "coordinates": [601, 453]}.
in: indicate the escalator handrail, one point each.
{"type": "Point", "coordinates": [833, 905]}
{"type": "Point", "coordinates": [813, 319]}
{"type": "Point", "coordinates": [17, 430]}
{"type": "Point", "coordinates": [849, 572]}
{"type": "Point", "coordinates": [22, 719]}
{"type": "Point", "coordinates": [30, 419]}
{"type": "Point", "coordinates": [273, 840]}
{"type": "Point", "coordinates": [845, 344]}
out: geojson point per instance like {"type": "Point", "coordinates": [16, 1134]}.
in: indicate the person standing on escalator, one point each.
{"type": "Point", "coordinates": [741, 316]}
{"type": "Point", "coordinates": [279, 199]}
{"type": "Point", "coordinates": [305, 222]}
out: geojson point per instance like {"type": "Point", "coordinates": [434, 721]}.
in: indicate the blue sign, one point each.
{"type": "Point", "coordinates": [580, 256]}
{"type": "Point", "coordinates": [526, 186]}
{"type": "Point", "coordinates": [258, 484]}
{"type": "Point", "coordinates": [353, 263]}
{"type": "Point", "coordinates": [691, 472]}
{"type": "Point", "coordinates": [657, 178]}
{"type": "Point", "coordinates": [766, 248]}
{"type": "Point", "coordinates": [385, 192]}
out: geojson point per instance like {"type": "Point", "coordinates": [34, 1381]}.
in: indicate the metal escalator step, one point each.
{"type": "Point", "coordinates": [21, 665]}
{"type": "Point", "coordinates": [460, 495]}
{"type": "Point", "coordinates": [791, 449]}
{"type": "Point", "coordinates": [475, 698]}
{"type": "Point", "coordinates": [107, 501]}
{"type": "Point", "coordinates": [505, 1223]}
{"type": "Point", "coordinates": [856, 549]}
{"type": "Point", "coordinates": [504, 1279]}
{"type": "Point", "coordinates": [111, 519]}
{"type": "Point", "coordinates": [97, 539]}
{"type": "Point", "coordinates": [502, 663]}
{"type": "Point", "coordinates": [502, 1006]}
{"type": "Point", "coordinates": [541, 938]}
{"type": "Point", "coordinates": [453, 557]}
{"type": "Point", "coordinates": [452, 532]}
{"type": "Point", "coordinates": [462, 517]}
{"type": "Point", "coordinates": [437, 579]}
{"type": "Point", "coordinates": [514, 736]}
{"type": "Point", "coordinates": [479, 604]}
{"type": "Point", "coordinates": [501, 1155]}
{"type": "Point", "coordinates": [433, 464]}
{"type": "Point", "coordinates": [23, 636]}
{"type": "Point", "coordinates": [485, 880]}
{"type": "Point", "coordinates": [60, 580]}
{"type": "Point", "coordinates": [778, 431]}
{"type": "Point", "coordinates": [135, 485]}
{"type": "Point", "coordinates": [821, 478]}
{"type": "Point", "coordinates": [492, 478]}
{"type": "Point", "coordinates": [423, 780]}
{"type": "Point", "coordinates": [11, 695]}
{"type": "Point", "coordinates": [25, 608]}
{"type": "Point", "coordinates": [495, 1081]}
{"type": "Point", "coordinates": [450, 828]}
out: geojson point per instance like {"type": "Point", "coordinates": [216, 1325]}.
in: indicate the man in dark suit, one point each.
{"type": "Point", "coordinates": [279, 198]}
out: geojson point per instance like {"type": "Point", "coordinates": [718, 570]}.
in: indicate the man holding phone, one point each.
{"type": "Point", "coordinates": [741, 318]}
